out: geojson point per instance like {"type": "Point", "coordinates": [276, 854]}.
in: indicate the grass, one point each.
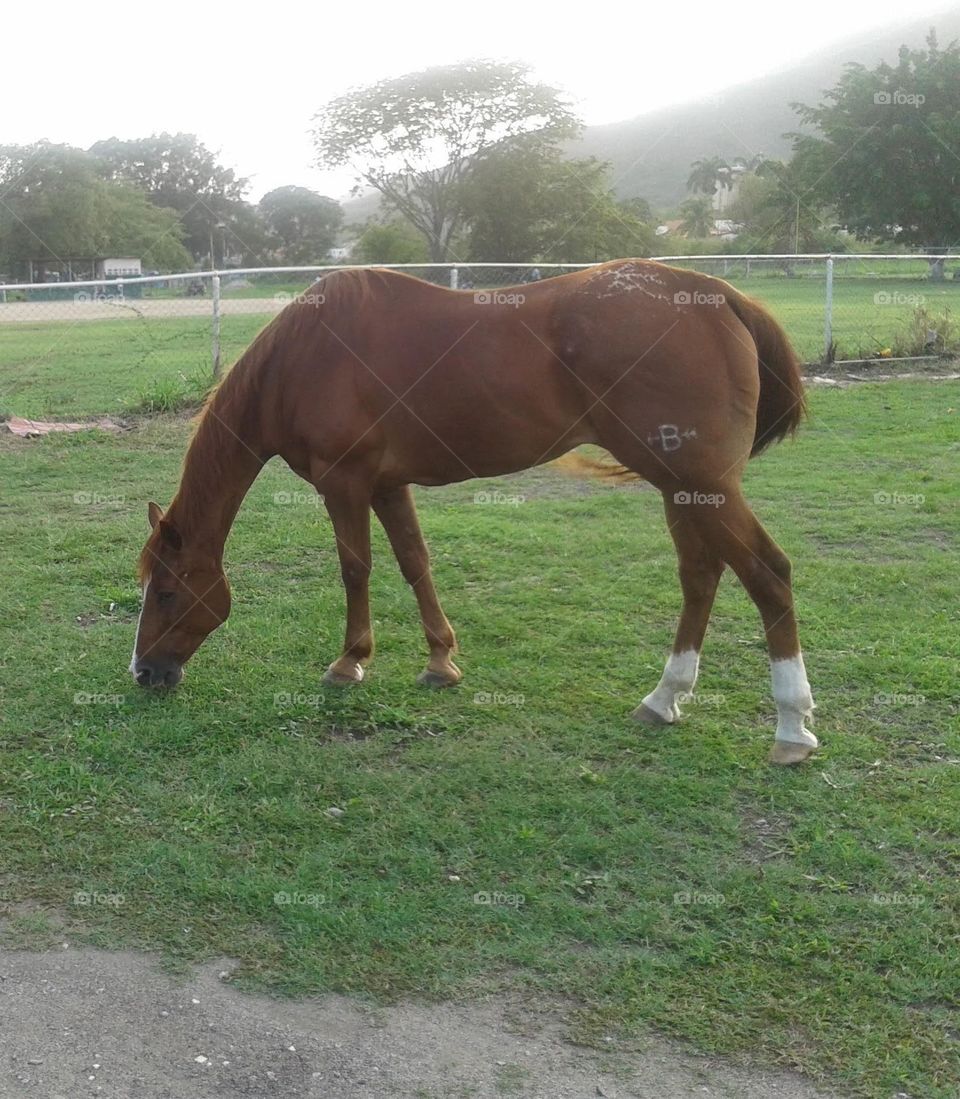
{"type": "Point", "coordinates": [671, 880]}
{"type": "Point", "coordinates": [63, 369]}
{"type": "Point", "coordinates": [60, 368]}
{"type": "Point", "coordinates": [177, 394]}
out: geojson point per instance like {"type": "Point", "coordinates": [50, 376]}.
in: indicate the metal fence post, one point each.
{"type": "Point", "coordinates": [215, 295]}
{"type": "Point", "coordinates": [828, 315]}
{"type": "Point", "coordinates": [454, 278]}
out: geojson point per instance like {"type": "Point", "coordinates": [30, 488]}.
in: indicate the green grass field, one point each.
{"type": "Point", "coordinates": [67, 369]}
{"type": "Point", "coordinates": [669, 880]}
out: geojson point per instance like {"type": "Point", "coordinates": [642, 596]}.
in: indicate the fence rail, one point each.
{"type": "Point", "coordinates": [153, 334]}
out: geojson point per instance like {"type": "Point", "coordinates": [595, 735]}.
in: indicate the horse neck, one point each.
{"type": "Point", "coordinates": [222, 462]}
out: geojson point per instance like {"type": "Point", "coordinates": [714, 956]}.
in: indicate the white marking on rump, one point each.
{"type": "Point", "coordinates": [679, 677]}
{"type": "Point", "coordinates": [136, 636]}
{"type": "Point", "coordinates": [612, 281]}
{"type": "Point", "coordinates": [791, 692]}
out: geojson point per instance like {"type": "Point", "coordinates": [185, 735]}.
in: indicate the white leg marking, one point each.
{"type": "Point", "coordinates": [679, 677]}
{"type": "Point", "coordinates": [136, 636]}
{"type": "Point", "coordinates": [791, 692]}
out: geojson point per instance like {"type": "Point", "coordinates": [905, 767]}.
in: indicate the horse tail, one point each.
{"type": "Point", "coordinates": [783, 403]}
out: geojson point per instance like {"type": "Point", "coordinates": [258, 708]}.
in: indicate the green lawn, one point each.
{"type": "Point", "coordinates": [823, 917]}
{"type": "Point", "coordinates": [69, 369]}
{"type": "Point", "coordinates": [61, 369]}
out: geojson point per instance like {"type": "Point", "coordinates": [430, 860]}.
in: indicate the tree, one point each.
{"type": "Point", "coordinates": [779, 214]}
{"type": "Point", "coordinates": [415, 138]}
{"type": "Point", "coordinates": [696, 217]}
{"type": "Point", "coordinates": [178, 172]}
{"type": "Point", "coordinates": [886, 152]}
{"type": "Point", "coordinates": [707, 174]}
{"type": "Point", "coordinates": [301, 224]}
{"type": "Point", "coordinates": [392, 242]}
{"type": "Point", "coordinates": [523, 201]}
{"type": "Point", "coordinates": [56, 207]}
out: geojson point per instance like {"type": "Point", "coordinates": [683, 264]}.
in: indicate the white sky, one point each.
{"type": "Point", "coordinates": [248, 80]}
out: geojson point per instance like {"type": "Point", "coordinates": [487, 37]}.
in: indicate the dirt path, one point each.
{"type": "Point", "coordinates": [38, 312]}
{"type": "Point", "coordinates": [86, 1023]}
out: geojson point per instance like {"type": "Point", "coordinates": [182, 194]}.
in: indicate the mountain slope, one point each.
{"type": "Point", "coordinates": [651, 154]}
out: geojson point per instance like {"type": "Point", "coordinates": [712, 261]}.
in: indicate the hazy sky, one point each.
{"type": "Point", "coordinates": [248, 83]}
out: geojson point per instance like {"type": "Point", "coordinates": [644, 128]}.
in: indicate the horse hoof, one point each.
{"type": "Point", "coordinates": [430, 678]}
{"type": "Point", "coordinates": [646, 716]}
{"type": "Point", "coordinates": [786, 753]}
{"type": "Point", "coordinates": [337, 676]}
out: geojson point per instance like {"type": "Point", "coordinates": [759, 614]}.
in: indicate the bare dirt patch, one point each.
{"type": "Point", "coordinates": [92, 1023]}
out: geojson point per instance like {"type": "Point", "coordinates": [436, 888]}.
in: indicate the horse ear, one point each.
{"type": "Point", "coordinates": [170, 535]}
{"type": "Point", "coordinates": [154, 513]}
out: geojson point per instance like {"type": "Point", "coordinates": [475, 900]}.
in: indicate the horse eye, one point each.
{"type": "Point", "coordinates": [165, 596]}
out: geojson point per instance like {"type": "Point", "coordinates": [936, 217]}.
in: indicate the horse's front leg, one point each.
{"type": "Point", "coordinates": [350, 514]}
{"type": "Point", "coordinates": [396, 511]}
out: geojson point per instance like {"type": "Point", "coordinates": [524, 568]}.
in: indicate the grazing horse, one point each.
{"type": "Point", "coordinates": [372, 381]}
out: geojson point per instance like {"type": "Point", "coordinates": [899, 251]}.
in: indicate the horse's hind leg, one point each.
{"type": "Point", "coordinates": [700, 567]}
{"type": "Point", "coordinates": [395, 510]}
{"type": "Point", "coordinates": [764, 570]}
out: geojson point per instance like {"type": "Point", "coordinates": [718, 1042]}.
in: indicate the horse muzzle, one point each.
{"type": "Point", "coordinates": [155, 673]}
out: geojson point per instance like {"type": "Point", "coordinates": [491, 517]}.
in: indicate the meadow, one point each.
{"type": "Point", "coordinates": [518, 832]}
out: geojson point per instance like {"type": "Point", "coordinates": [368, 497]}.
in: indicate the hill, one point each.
{"type": "Point", "coordinates": [651, 153]}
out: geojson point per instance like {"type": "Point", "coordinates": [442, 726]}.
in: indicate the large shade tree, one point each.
{"type": "Point", "coordinates": [415, 138]}
{"type": "Point", "coordinates": [886, 148]}
{"type": "Point", "coordinates": [178, 172]}
{"type": "Point", "coordinates": [56, 207]}
{"type": "Point", "coordinates": [302, 225]}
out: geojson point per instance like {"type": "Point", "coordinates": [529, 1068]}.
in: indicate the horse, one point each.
{"type": "Point", "coordinates": [372, 381]}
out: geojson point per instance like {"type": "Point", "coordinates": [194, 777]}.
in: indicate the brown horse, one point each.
{"type": "Point", "coordinates": [373, 381]}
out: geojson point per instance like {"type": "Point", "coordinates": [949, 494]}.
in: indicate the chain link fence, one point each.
{"type": "Point", "coordinates": [152, 344]}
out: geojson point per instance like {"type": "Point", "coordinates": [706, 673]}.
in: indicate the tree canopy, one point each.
{"type": "Point", "coordinates": [57, 207]}
{"type": "Point", "coordinates": [523, 201]}
{"type": "Point", "coordinates": [886, 154]}
{"type": "Point", "coordinates": [302, 225]}
{"type": "Point", "coordinates": [178, 172]}
{"type": "Point", "coordinates": [415, 138]}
